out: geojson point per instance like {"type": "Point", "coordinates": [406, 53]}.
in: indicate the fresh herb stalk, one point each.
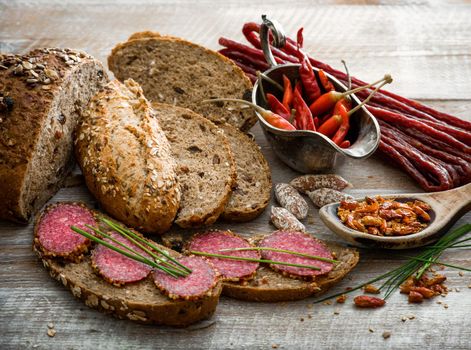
{"type": "Point", "coordinates": [292, 252]}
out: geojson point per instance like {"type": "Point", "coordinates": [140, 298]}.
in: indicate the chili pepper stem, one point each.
{"type": "Point", "coordinates": [386, 79]}
{"type": "Point", "coordinates": [364, 102]}
{"type": "Point", "coordinates": [270, 80]}
{"type": "Point", "coordinates": [348, 75]}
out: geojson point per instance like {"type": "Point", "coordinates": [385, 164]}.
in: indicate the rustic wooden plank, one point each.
{"type": "Point", "coordinates": [426, 48]}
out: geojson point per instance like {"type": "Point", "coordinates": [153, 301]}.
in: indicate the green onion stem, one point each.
{"type": "Point", "coordinates": [123, 252]}
{"type": "Point", "coordinates": [241, 258]}
{"type": "Point", "coordinates": [315, 257]}
{"type": "Point", "coordinates": [135, 237]}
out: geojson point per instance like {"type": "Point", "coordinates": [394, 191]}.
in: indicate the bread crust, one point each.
{"type": "Point", "coordinates": [249, 117]}
{"type": "Point", "coordinates": [141, 302]}
{"type": "Point", "coordinates": [37, 114]}
{"type": "Point", "coordinates": [271, 286]}
{"type": "Point", "coordinates": [126, 159]}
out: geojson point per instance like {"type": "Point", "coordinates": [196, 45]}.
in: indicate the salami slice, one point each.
{"type": "Point", "coordinates": [198, 283]}
{"type": "Point", "coordinates": [301, 243]}
{"type": "Point", "coordinates": [231, 270]}
{"type": "Point", "coordinates": [53, 236]}
{"type": "Point", "coordinates": [116, 268]}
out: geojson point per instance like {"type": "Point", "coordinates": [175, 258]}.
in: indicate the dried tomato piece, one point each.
{"type": "Point", "coordinates": [366, 301]}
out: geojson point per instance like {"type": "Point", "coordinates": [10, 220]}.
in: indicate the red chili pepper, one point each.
{"type": "Point", "coordinates": [304, 119]}
{"type": "Point", "coordinates": [342, 108]}
{"type": "Point", "coordinates": [345, 144]}
{"type": "Point", "coordinates": [325, 82]}
{"type": "Point", "coordinates": [316, 122]}
{"type": "Point", "coordinates": [309, 81]}
{"type": "Point", "coordinates": [331, 125]}
{"type": "Point", "coordinates": [277, 107]}
{"type": "Point", "coordinates": [271, 118]}
{"type": "Point", "coordinates": [287, 93]}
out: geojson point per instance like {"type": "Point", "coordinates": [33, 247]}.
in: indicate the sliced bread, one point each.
{"type": "Point", "coordinates": [175, 71]}
{"type": "Point", "coordinates": [140, 301]}
{"type": "Point", "coordinates": [205, 166]}
{"type": "Point", "coordinates": [126, 158]}
{"type": "Point", "coordinates": [271, 286]}
{"type": "Point", "coordinates": [253, 185]}
{"type": "Point", "coordinates": [42, 95]}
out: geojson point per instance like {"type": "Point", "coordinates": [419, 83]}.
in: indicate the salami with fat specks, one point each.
{"type": "Point", "coordinates": [214, 242]}
{"type": "Point", "coordinates": [116, 268]}
{"type": "Point", "coordinates": [198, 283]}
{"type": "Point", "coordinates": [53, 235]}
{"type": "Point", "coordinates": [301, 243]}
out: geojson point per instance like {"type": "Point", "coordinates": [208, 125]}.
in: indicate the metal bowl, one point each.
{"type": "Point", "coordinates": [309, 151]}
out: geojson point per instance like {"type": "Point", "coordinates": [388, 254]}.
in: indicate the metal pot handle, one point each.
{"type": "Point", "coordinates": [279, 38]}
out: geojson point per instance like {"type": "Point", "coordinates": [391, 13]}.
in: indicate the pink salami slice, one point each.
{"type": "Point", "coordinates": [232, 270]}
{"type": "Point", "coordinates": [194, 286]}
{"type": "Point", "coordinates": [301, 243]}
{"type": "Point", "coordinates": [116, 268]}
{"type": "Point", "coordinates": [53, 233]}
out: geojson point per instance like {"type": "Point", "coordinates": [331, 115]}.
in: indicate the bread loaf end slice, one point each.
{"type": "Point", "coordinates": [43, 95]}
{"type": "Point", "coordinates": [175, 71]}
{"type": "Point", "coordinates": [205, 165]}
{"type": "Point", "coordinates": [252, 190]}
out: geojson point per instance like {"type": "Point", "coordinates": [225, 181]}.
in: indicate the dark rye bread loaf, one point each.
{"type": "Point", "coordinates": [205, 166]}
{"type": "Point", "coordinates": [251, 194]}
{"type": "Point", "coordinates": [141, 301]}
{"type": "Point", "coordinates": [174, 71]}
{"type": "Point", "coordinates": [42, 95]}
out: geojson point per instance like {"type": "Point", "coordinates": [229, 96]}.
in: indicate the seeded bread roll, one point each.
{"type": "Point", "coordinates": [126, 158]}
{"type": "Point", "coordinates": [42, 95]}
{"type": "Point", "coordinates": [205, 166]}
{"type": "Point", "coordinates": [253, 185]}
{"type": "Point", "coordinates": [174, 71]}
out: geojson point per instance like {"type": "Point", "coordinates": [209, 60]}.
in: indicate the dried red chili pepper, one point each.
{"type": "Point", "coordinates": [287, 92]}
{"type": "Point", "coordinates": [308, 78]}
{"type": "Point", "coordinates": [345, 144]}
{"type": "Point", "coordinates": [304, 119]}
{"type": "Point", "coordinates": [325, 82]}
{"type": "Point", "coordinates": [277, 107]}
{"type": "Point", "coordinates": [331, 125]}
{"type": "Point", "coordinates": [271, 118]}
{"type": "Point", "coordinates": [367, 301]}
{"type": "Point", "coordinates": [342, 108]}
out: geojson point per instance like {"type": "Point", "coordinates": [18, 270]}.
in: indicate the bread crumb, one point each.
{"type": "Point", "coordinates": [301, 319]}
{"type": "Point", "coordinates": [50, 325]}
{"type": "Point", "coordinates": [461, 273]}
{"type": "Point", "coordinates": [328, 302]}
{"type": "Point", "coordinates": [336, 312]}
{"type": "Point", "coordinates": [445, 306]}
{"type": "Point", "coordinates": [309, 316]}
{"type": "Point", "coordinates": [341, 299]}
{"type": "Point", "coordinates": [386, 334]}
{"type": "Point", "coordinates": [274, 346]}
{"type": "Point", "coordinates": [51, 332]}
{"type": "Point", "coordinates": [404, 319]}
{"type": "Point", "coordinates": [371, 330]}
{"type": "Point", "coordinates": [411, 317]}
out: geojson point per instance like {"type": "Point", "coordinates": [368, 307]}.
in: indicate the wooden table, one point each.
{"type": "Point", "coordinates": [425, 47]}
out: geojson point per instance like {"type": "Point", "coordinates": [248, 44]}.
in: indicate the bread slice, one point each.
{"type": "Point", "coordinates": [253, 185]}
{"type": "Point", "coordinates": [42, 95]}
{"type": "Point", "coordinates": [141, 302]}
{"type": "Point", "coordinates": [175, 71]}
{"type": "Point", "coordinates": [126, 158]}
{"type": "Point", "coordinates": [271, 286]}
{"type": "Point", "coordinates": [205, 166]}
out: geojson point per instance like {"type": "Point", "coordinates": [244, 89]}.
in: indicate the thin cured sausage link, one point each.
{"type": "Point", "coordinates": [399, 119]}
{"type": "Point", "coordinates": [244, 58]}
{"type": "Point", "coordinates": [424, 163]}
{"type": "Point", "coordinates": [392, 153]}
{"type": "Point", "coordinates": [463, 167]}
{"type": "Point", "coordinates": [390, 133]}
{"type": "Point", "coordinates": [247, 50]}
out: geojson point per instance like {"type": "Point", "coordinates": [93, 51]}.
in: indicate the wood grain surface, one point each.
{"type": "Point", "coordinates": [424, 44]}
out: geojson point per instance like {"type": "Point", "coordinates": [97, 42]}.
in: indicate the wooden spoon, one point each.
{"type": "Point", "coordinates": [447, 208]}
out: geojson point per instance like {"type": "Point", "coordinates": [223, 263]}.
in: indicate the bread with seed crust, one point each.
{"type": "Point", "coordinates": [42, 95]}
{"type": "Point", "coordinates": [205, 165]}
{"type": "Point", "coordinates": [252, 190]}
{"type": "Point", "coordinates": [141, 302]}
{"type": "Point", "coordinates": [126, 158]}
{"type": "Point", "coordinates": [175, 71]}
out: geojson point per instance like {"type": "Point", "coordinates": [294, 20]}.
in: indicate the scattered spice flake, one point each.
{"type": "Point", "coordinates": [309, 306]}
{"type": "Point", "coordinates": [386, 334]}
{"type": "Point", "coordinates": [369, 288]}
{"type": "Point", "coordinates": [274, 346]}
{"type": "Point", "coordinates": [327, 302]}
{"type": "Point", "coordinates": [371, 330]}
{"type": "Point", "coordinates": [469, 286]}
{"type": "Point", "coordinates": [336, 312]}
{"type": "Point", "coordinates": [341, 299]}
{"type": "Point", "coordinates": [302, 319]}
{"type": "Point", "coordinates": [404, 319]}
{"type": "Point", "coordinates": [51, 332]}
{"type": "Point", "coordinates": [461, 273]}
{"type": "Point", "coordinates": [50, 325]}
{"type": "Point", "coordinates": [445, 306]}
{"type": "Point", "coordinates": [411, 317]}
{"type": "Point", "coordinates": [309, 316]}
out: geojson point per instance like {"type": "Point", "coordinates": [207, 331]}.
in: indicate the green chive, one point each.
{"type": "Point", "coordinates": [315, 257]}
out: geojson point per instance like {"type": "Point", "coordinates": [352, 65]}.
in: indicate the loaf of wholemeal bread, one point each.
{"type": "Point", "coordinates": [42, 95]}
{"type": "Point", "coordinates": [205, 166]}
{"type": "Point", "coordinates": [126, 158]}
{"type": "Point", "coordinates": [174, 71]}
{"type": "Point", "coordinates": [253, 185]}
